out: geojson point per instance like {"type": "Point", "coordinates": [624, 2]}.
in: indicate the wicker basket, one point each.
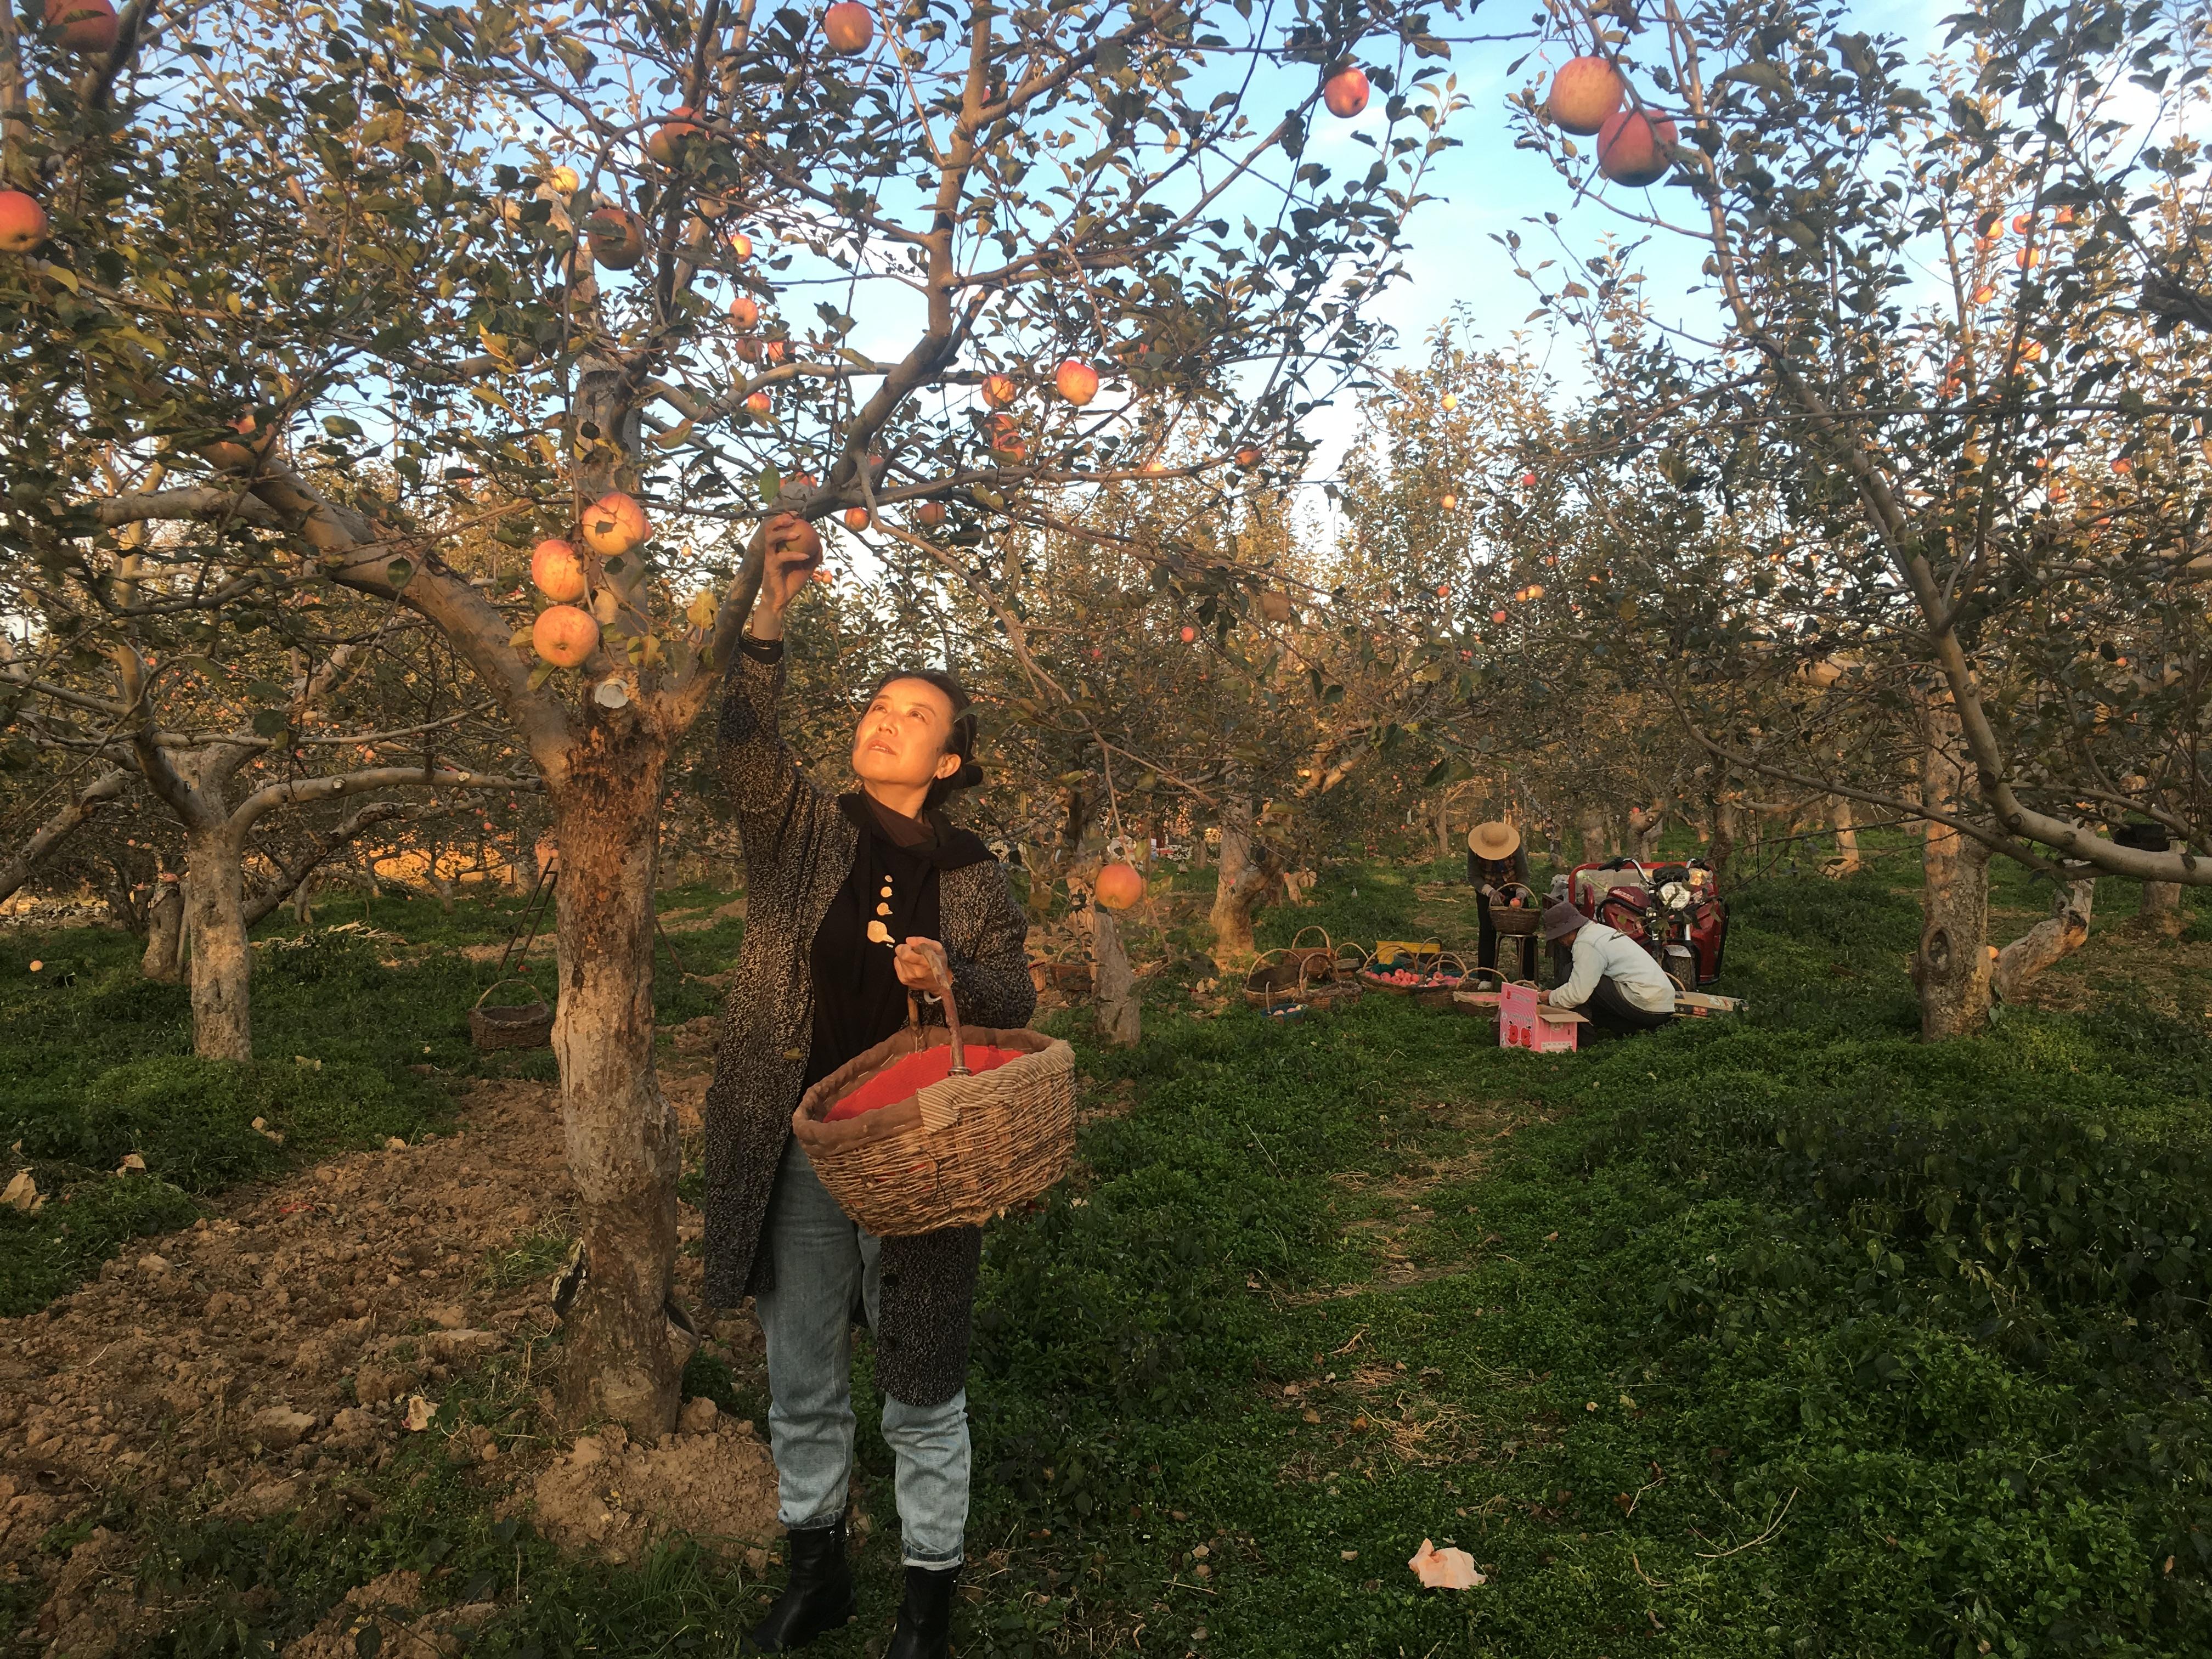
{"type": "Point", "coordinates": [1320, 959]}
{"type": "Point", "coordinates": [1515, 924]}
{"type": "Point", "coordinates": [961, 1151]}
{"type": "Point", "coordinates": [1275, 980]}
{"type": "Point", "coordinates": [514, 1025]}
{"type": "Point", "coordinates": [1440, 996]}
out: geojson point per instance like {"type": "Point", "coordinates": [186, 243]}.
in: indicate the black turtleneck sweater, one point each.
{"type": "Point", "coordinates": [858, 999]}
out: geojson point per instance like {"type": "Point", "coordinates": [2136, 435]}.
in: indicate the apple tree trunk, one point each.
{"type": "Point", "coordinates": [1951, 970]}
{"type": "Point", "coordinates": [2160, 911]}
{"type": "Point", "coordinates": [1119, 1022]}
{"type": "Point", "coordinates": [1244, 878]}
{"type": "Point", "coordinates": [1845, 825]}
{"type": "Point", "coordinates": [163, 960]}
{"type": "Point", "coordinates": [222, 962]}
{"type": "Point", "coordinates": [2065, 931]}
{"type": "Point", "coordinates": [621, 1362]}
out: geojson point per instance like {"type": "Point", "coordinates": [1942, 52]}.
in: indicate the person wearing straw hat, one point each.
{"type": "Point", "coordinates": [853, 903]}
{"type": "Point", "coordinates": [1612, 983]}
{"type": "Point", "coordinates": [1495, 857]}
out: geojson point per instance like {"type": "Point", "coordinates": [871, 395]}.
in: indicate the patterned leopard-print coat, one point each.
{"type": "Point", "coordinates": [798, 847]}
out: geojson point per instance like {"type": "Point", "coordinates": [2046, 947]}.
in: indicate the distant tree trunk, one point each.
{"type": "Point", "coordinates": [1591, 820]}
{"type": "Point", "coordinates": [1952, 969]}
{"type": "Point", "coordinates": [2065, 931]}
{"type": "Point", "coordinates": [1721, 815]}
{"type": "Point", "coordinates": [1847, 835]}
{"type": "Point", "coordinates": [109, 785]}
{"type": "Point", "coordinates": [2160, 911]}
{"type": "Point", "coordinates": [1243, 879]}
{"type": "Point", "coordinates": [1645, 825]}
{"type": "Point", "coordinates": [165, 930]}
{"type": "Point", "coordinates": [1115, 982]}
{"type": "Point", "coordinates": [1442, 821]}
{"type": "Point", "coordinates": [222, 960]}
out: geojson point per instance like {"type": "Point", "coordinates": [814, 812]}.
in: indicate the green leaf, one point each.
{"type": "Point", "coordinates": [771, 485]}
{"type": "Point", "coordinates": [270, 723]}
{"type": "Point", "coordinates": [400, 572]}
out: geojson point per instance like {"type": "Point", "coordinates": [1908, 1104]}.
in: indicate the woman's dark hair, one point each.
{"type": "Point", "coordinates": [962, 739]}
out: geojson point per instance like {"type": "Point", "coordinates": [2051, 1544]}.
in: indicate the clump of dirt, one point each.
{"type": "Point", "coordinates": [712, 1479]}
{"type": "Point", "coordinates": [386, 1604]}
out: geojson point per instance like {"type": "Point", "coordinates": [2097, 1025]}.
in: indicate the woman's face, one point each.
{"type": "Point", "coordinates": [904, 736]}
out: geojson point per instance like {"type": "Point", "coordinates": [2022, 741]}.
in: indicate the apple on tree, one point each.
{"type": "Point", "coordinates": [1346, 91]}
{"type": "Point", "coordinates": [1585, 92]}
{"type": "Point", "coordinates": [557, 570]}
{"type": "Point", "coordinates": [564, 635]}
{"type": "Point", "coordinates": [23, 222]}
{"type": "Point", "coordinates": [615, 525]}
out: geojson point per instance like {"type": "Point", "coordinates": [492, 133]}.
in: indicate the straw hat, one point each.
{"type": "Point", "coordinates": [1493, 841]}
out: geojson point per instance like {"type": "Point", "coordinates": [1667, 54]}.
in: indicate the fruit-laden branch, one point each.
{"type": "Point", "coordinates": [289, 876]}
{"type": "Point", "coordinates": [108, 787]}
{"type": "Point", "coordinates": [1887, 519]}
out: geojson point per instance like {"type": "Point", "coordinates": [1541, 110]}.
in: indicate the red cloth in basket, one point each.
{"type": "Point", "coordinates": [911, 1074]}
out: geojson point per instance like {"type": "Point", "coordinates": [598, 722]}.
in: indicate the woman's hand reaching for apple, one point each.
{"type": "Point", "coordinates": [793, 555]}
{"type": "Point", "coordinates": [921, 965]}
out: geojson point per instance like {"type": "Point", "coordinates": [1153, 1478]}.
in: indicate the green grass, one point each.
{"type": "Point", "coordinates": [1789, 1334]}
{"type": "Point", "coordinates": [359, 1038]}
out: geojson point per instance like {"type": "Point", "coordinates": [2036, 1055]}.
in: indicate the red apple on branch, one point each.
{"type": "Point", "coordinates": [998, 390]}
{"type": "Point", "coordinates": [671, 136]}
{"type": "Point", "coordinates": [557, 571]}
{"type": "Point", "coordinates": [1119, 886]}
{"type": "Point", "coordinates": [88, 28]}
{"type": "Point", "coordinates": [1077, 380]}
{"type": "Point", "coordinates": [617, 236]}
{"type": "Point", "coordinates": [744, 311]}
{"type": "Point", "coordinates": [564, 635]}
{"type": "Point", "coordinates": [1635, 149]}
{"type": "Point", "coordinates": [849, 26]}
{"type": "Point", "coordinates": [1345, 92]}
{"type": "Point", "coordinates": [23, 222]}
{"type": "Point", "coordinates": [615, 525]}
{"type": "Point", "coordinates": [1584, 93]}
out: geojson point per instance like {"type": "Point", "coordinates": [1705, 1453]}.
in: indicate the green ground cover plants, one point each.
{"type": "Point", "coordinates": [1789, 1334]}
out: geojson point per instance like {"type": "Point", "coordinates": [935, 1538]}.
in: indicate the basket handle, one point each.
{"type": "Point", "coordinates": [959, 1066]}
{"type": "Point", "coordinates": [1498, 891]}
{"type": "Point", "coordinates": [512, 979]}
{"type": "Point", "coordinates": [1312, 927]}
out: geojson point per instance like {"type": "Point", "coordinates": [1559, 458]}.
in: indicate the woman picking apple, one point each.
{"type": "Point", "coordinates": [853, 903]}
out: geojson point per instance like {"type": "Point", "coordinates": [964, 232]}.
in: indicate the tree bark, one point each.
{"type": "Point", "coordinates": [1597, 838]}
{"type": "Point", "coordinates": [164, 932]}
{"type": "Point", "coordinates": [1119, 1021]}
{"type": "Point", "coordinates": [2160, 911]}
{"type": "Point", "coordinates": [222, 962]}
{"type": "Point", "coordinates": [623, 1156]}
{"type": "Point", "coordinates": [2065, 931]}
{"type": "Point", "coordinates": [1244, 878]}
{"type": "Point", "coordinates": [1952, 969]}
{"type": "Point", "coordinates": [1847, 836]}
{"type": "Point", "coordinates": [1644, 827]}
{"type": "Point", "coordinates": [108, 787]}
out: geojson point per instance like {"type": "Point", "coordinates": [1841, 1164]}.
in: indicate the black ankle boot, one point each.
{"type": "Point", "coordinates": [925, 1620]}
{"type": "Point", "coordinates": [820, 1596]}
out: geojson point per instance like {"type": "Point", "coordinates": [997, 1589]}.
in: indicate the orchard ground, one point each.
{"type": "Point", "coordinates": [1781, 1334]}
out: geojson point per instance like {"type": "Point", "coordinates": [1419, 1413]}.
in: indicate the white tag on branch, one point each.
{"type": "Point", "coordinates": [419, 1412]}
{"type": "Point", "coordinates": [1444, 1569]}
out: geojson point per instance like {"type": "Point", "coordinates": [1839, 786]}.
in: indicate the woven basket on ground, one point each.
{"type": "Point", "coordinates": [957, 1152]}
{"type": "Point", "coordinates": [1275, 980]}
{"type": "Point", "coordinates": [1516, 923]}
{"type": "Point", "coordinates": [1320, 959]}
{"type": "Point", "coordinates": [511, 1025]}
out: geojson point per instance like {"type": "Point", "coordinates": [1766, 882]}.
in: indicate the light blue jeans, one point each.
{"type": "Point", "coordinates": [824, 1263]}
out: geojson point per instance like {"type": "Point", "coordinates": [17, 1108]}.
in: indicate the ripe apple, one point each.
{"type": "Point", "coordinates": [565, 180]}
{"type": "Point", "coordinates": [751, 349]}
{"type": "Point", "coordinates": [1077, 380]}
{"type": "Point", "coordinates": [856, 517]}
{"type": "Point", "coordinates": [87, 27]}
{"type": "Point", "coordinates": [1498, 616]}
{"type": "Point", "coordinates": [617, 236]}
{"type": "Point", "coordinates": [744, 311]}
{"type": "Point", "coordinates": [564, 635]}
{"type": "Point", "coordinates": [1535, 589]}
{"type": "Point", "coordinates": [2031, 352]}
{"type": "Point", "coordinates": [2063, 216]}
{"type": "Point", "coordinates": [1584, 93]}
{"type": "Point", "coordinates": [998, 390]}
{"type": "Point", "coordinates": [930, 513]}
{"type": "Point", "coordinates": [1527, 481]}
{"type": "Point", "coordinates": [671, 136]}
{"type": "Point", "coordinates": [2029, 258]}
{"type": "Point", "coordinates": [2122, 466]}
{"type": "Point", "coordinates": [1448, 501]}
{"type": "Point", "coordinates": [1635, 149]}
{"type": "Point", "coordinates": [1346, 91]}
{"type": "Point", "coordinates": [1451, 401]}
{"type": "Point", "coordinates": [557, 571]}
{"type": "Point", "coordinates": [2023, 222]}
{"type": "Point", "coordinates": [615, 525]}
{"type": "Point", "coordinates": [23, 222]}
{"type": "Point", "coordinates": [1248, 458]}
{"type": "Point", "coordinates": [1005, 437]}
{"type": "Point", "coordinates": [1984, 294]}
{"type": "Point", "coordinates": [775, 346]}
{"type": "Point", "coordinates": [1189, 635]}
{"type": "Point", "coordinates": [1119, 886]}
{"type": "Point", "coordinates": [759, 403]}
{"type": "Point", "coordinates": [237, 456]}
{"type": "Point", "coordinates": [849, 26]}
{"type": "Point", "coordinates": [1443, 590]}
{"type": "Point", "coordinates": [740, 245]}
{"type": "Point", "coordinates": [796, 535]}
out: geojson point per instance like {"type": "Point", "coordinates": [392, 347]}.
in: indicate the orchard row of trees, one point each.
{"type": "Point", "coordinates": [315, 323]}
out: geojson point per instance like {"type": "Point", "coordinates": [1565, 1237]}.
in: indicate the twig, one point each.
{"type": "Point", "coordinates": [1773, 1527]}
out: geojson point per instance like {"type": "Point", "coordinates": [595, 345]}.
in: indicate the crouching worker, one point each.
{"type": "Point", "coordinates": [1612, 982]}
{"type": "Point", "coordinates": [853, 903]}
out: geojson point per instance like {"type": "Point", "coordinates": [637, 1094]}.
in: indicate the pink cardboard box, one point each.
{"type": "Point", "coordinates": [1525, 1023]}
